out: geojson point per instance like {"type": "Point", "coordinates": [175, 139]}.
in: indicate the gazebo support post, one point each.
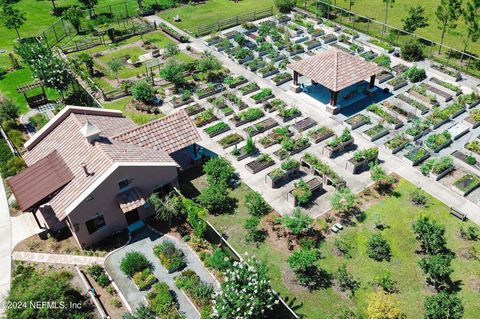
{"type": "Point", "coordinates": [372, 82]}
{"type": "Point", "coordinates": [295, 87]}
{"type": "Point", "coordinates": [333, 97]}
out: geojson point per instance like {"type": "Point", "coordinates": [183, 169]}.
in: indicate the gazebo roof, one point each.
{"type": "Point", "coordinates": [335, 69]}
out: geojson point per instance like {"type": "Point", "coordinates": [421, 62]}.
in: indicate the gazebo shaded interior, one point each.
{"type": "Point", "coordinates": [335, 70]}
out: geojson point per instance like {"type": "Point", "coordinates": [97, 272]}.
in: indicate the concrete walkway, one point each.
{"type": "Point", "coordinates": [23, 226]}
{"type": "Point", "coordinates": [56, 258]}
{"type": "Point", "coordinates": [312, 108]}
{"type": "Point", "coordinates": [5, 246]}
{"type": "Point", "coordinates": [143, 242]}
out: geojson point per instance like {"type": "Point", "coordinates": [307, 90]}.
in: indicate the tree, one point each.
{"type": "Point", "coordinates": [215, 198]}
{"type": "Point", "coordinates": [471, 15]}
{"type": "Point", "coordinates": [437, 268]}
{"type": "Point", "coordinates": [29, 286]}
{"type": "Point", "coordinates": [208, 63]}
{"type": "Point", "coordinates": [346, 280]}
{"type": "Point", "coordinates": [166, 208]}
{"type": "Point", "coordinates": [350, 4]}
{"type": "Point", "coordinates": [245, 293]}
{"type": "Point", "coordinates": [430, 234]}
{"type": "Point", "coordinates": [298, 223]}
{"type": "Point", "coordinates": [254, 235]}
{"type": "Point", "coordinates": [73, 15]}
{"type": "Point", "coordinates": [303, 263]}
{"type": "Point", "coordinates": [256, 205]}
{"type": "Point", "coordinates": [195, 216]}
{"type": "Point", "coordinates": [447, 14]}
{"type": "Point", "coordinates": [344, 200]}
{"type": "Point", "coordinates": [218, 170]}
{"type": "Point", "coordinates": [378, 248]}
{"type": "Point", "coordinates": [284, 6]}
{"type": "Point", "coordinates": [170, 50]}
{"type": "Point", "coordinates": [115, 66]}
{"type": "Point", "coordinates": [12, 18]}
{"type": "Point", "coordinates": [87, 59]}
{"type": "Point", "coordinates": [412, 50]}
{"type": "Point", "coordinates": [383, 306]}
{"type": "Point", "coordinates": [143, 91]}
{"type": "Point", "coordinates": [415, 19]}
{"type": "Point", "coordinates": [443, 306]}
{"type": "Point", "coordinates": [9, 111]}
{"type": "Point", "coordinates": [172, 72]}
{"type": "Point", "coordinates": [388, 3]}
{"type": "Point", "coordinates": [377, 173]}
{"type": "Point", "coordinates": [89, 4]}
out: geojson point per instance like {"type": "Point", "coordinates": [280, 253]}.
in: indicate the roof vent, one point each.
{"type": "Point", "coordinates": [90, 131]}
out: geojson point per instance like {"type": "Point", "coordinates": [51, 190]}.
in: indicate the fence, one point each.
{"type": "Point", "coordinates": [234, 21]}
{"type": "Point", "coordinates": [459, 60]}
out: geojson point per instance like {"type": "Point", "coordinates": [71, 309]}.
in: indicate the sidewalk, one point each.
{"type": "Point", "coordinates": [5, 245]}
{"type": "Point", "coordinates": [56, 258]}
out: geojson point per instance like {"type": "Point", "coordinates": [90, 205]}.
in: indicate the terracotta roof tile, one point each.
{"type": "Point", "coordinates": [335, 69]}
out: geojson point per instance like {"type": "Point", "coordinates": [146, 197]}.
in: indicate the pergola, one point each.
{"type": "Point", "coordinates": [34, 100]}
{"type": "Point", "coordinates": [335, 70]}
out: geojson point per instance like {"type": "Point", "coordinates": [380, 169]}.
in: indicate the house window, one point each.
{"type": "Point", "coordinates": [163, 190]}
{"type": "Point", "coordinates": [94, 224]}
{"type": "Point", "coordinates": [123, 183]}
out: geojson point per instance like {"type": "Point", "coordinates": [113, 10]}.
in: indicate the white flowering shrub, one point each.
{"type": "Point", "coordinates": [246, 292]}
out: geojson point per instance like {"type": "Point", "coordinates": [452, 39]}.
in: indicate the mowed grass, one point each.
{"type": "Point", "coordinates": [396, 212]}
{"type": "Point", "coordinates": [136, 117]}
{"type": "Point", "coordinates": [376, 9]}
{"type": "Point", "coordinates": [193, 16]}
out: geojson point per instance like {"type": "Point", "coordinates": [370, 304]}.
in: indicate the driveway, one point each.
{"type": "Point", "coordinates": [143, 242]}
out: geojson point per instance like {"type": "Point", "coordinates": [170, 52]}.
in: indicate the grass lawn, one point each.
{"type": "Point", "coordinates": [212, 11]}
{"type": "Point", "coordinates": [396, 212]}
{"type": "Point", "coordinates": [376, 9]}
{"type": "Point", "coordinates": [137, 117]}
{"type": "Point", "coordinates": [129, 70]}
{"type": "Point", "coordinates": [10, 81]}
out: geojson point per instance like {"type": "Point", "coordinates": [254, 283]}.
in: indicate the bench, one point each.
{"type": "Point", "coordinates": [458, 214]}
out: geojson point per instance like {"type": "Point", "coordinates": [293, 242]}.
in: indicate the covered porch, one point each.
{"type": "Point", "coordinates": [338, 75]}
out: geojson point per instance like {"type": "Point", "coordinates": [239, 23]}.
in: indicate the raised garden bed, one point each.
{"type": "Point", "coordinates": [442, 94]}
{"type": "Point", "coordinates": [287, 114]}
{"type": "Point", "coordinates": [234, 101]}
{"type": "Point", "coordinates": [397, 83]}
{"type": "Point", "coordinates": [474, 118]}
{"type": "Point", "coordinates": [451, 74]}
{"type": "Point", "coordinates": [262, 96]}
{"type": "Point", "coordinates": [274, 104]}
{"type": "Point", "coordinates": [173, 33]}
{"type": "Point", "coordinates": [399, 68]}
{"type": "Point", "coordinates": [315, 33]}
{"type": "Point", "coordinates": [267, 71]}
{"type": "Point", "coordinates": [417, 155]}
{"type": "Point", "coordinates": [262, 162]}
{"type": "Point", "coordinates": [204, 118]}
{"type": "Point", "coordinates": [274, 57]}
{"type": "Point", "coordinates": [337, 146]}
{"type": "Point", "coordinates": [312, 44]}
{"type": "Point", "coordinates": [261, 127]}
{"type": "Point", "coordinates": [217, 129]}
{"type": "Point", "coordinates": [246, 116]}
{"type": "Point", "coordinates": [249, 88]}
{"type": "Point", "coordinates": [282, 78]}
{"type": "Point", "coordinates": [244, 152]}
{"type": "Point", "coordinates": [357, 120]}
{"type": "Point", "coordinates": [230, 140]}
{"type": "Point", "coordinates": [315, 166]}
{"type": "Point", "coordinates": [397, 143]}
{"type": "Point", "coordinates": [234, 82]}
{"type": "Point", "coordinates": [419, 106]}
{"type": "Point", "coordinates": [420, 92]}
{"type": "Point", "coordinates": [255, 64]}
{"type": "Point", "coordinates": [302, 192]}
{"type": "Point", "coordinates": [213, 40]}
{"type": "Point", "coordinates": [455, 89]}
{"type": "Point", "coordinates": [178, 101]}
{"type": "Point", "coordinates": [437, 167]}
{"type": "Point", "coordinates": [320, 134]}
{"type": "Point", "coordinates": [209, 91]}
{"type": "Point", "coordinates": [143, 280]}
{"type": "Point", "coordinates": [399, 110]}
{"type": "Point", "coordinates": [194, 109]}
{"type": "Point", "coordinates": [277, 135]}
{"type": "Point", "coordinates": [218, 102]}
{"type": "Point", "coordinates": [361, 160]}
{"type": "Point", "coordinates": [369, 55]}
{"type": "Point", "coordinates": [304, 124]}
{"type": "Point", "coordinates": [223, 45]}
{"type": "Point", "coordinates": [437, 142]}
{"type": "Point", "coordinates": [473, 146]}
{"type": "Point", "coordinates": [375, 132]}
{"type": "Point", "coordinates": [291, 147]}
{"type": "Point", "coordinates": [382, 45]}
{"type": "Point", "coordinates": [295, 49]}
{"type": "Point", "coordinates": [384, 115]}
{"type": "Point", "coordinates": [384, 76]}
{"type": "Point", "coordinates": [328, 38]}
{"type": "Point", "coordinates": [469, 100]}
{"type": "Point", "coordinates": [231, 34]}
{"type": "Point", "coordinates": [283, 174]}
{"type": "Point", "coordinates": [418, 129]}
{"type": "Point", "coordinates": [466, 184]}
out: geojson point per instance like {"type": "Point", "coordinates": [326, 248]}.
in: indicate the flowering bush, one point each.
{"type": "Point", "coordinates": [246, 292]}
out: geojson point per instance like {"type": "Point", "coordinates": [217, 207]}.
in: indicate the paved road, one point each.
{"type": "Point", "coordinates": [5, 246]}
{"type": "Point", "coordinates": [144, 242]}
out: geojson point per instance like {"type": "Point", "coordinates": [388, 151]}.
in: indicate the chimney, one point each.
{"type": "Point", "coordinates": [90, 132]}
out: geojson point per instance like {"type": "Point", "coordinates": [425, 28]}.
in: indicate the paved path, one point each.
{"type": "Point", "coordinates": [23, 226]}
{"type": "Point", "coordinates": [311, 107]}
{"type": "Point", "coordinates": [57, 258]}
{"type": "Point", "coordinates": [144, 242]}
{"type": "Point", "coordinates": [5, 246]}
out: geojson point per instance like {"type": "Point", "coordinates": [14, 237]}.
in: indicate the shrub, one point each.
{"type": "Point", "coordinates": [343, 246]}
{"type": "Point", "coordinates": [285, 6]}
{"type": "Point", "coordinates": [442, 306]}
{"type": "Point", "coordinates": [133, 262]}
{"type": "Point", "coordinates": [170, 257]}
{"type": "Point", "coordinates": [144, 279]}
{"type": "Point", "coordinates": [160, 298]}
{"type": "Point", "coordinates": [469, 233]}
{"type": "Point", "coordinates": [254, 235]}
{"type": "Point", "coordinates": [103, 280]}
{"type": "Point", "coordinates": [412, 51]}
{"type": "Point", "coordinates": [218, 260]}
{"type": "Point", "coordinates": [415, 74]}
{"type": "Point", "coordinates": [437, 268]}
{"type": "Point", "coordinates": [215, 198]}
{"type": "Point", "coordinates": [418, 198]}
{"type": "Point", "coordinates": [218, 170]}
{"type": "Point", "coordinates": [386, 282]}
{"type": "Point", "coordinates": [430, 234]}
{"type": "Point", "coordinates": [116, 303]}
{"type": "Point", "coordinates": [39, 120]}
{"type": "Point", "coordinates": [378, 248]}
{"type": "Point", "coordinates": [95, 271]}
{"type": "Point", "coordinates": [303, 263]}
{"type": "Point", "coordinates": [199, 291]}
{"type": "Point", "coordinates": [346, 280]}
{"type": "Point", "coordinates": [256, 205]}
{"type": "Point", "coordinates": [298, 223]}
{"type": "Point", "coordinates": [471, 160]}
{"type": "Point", "coordinates": [143, 91]}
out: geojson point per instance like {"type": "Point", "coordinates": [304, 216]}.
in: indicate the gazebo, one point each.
{"type": "Point", "coordinates": [335, 70]}
{"type": "Point", "coordinates": [37, 99]}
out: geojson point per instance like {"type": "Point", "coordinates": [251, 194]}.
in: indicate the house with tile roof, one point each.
{"type": "Point", "coordinates": [91, 169]}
